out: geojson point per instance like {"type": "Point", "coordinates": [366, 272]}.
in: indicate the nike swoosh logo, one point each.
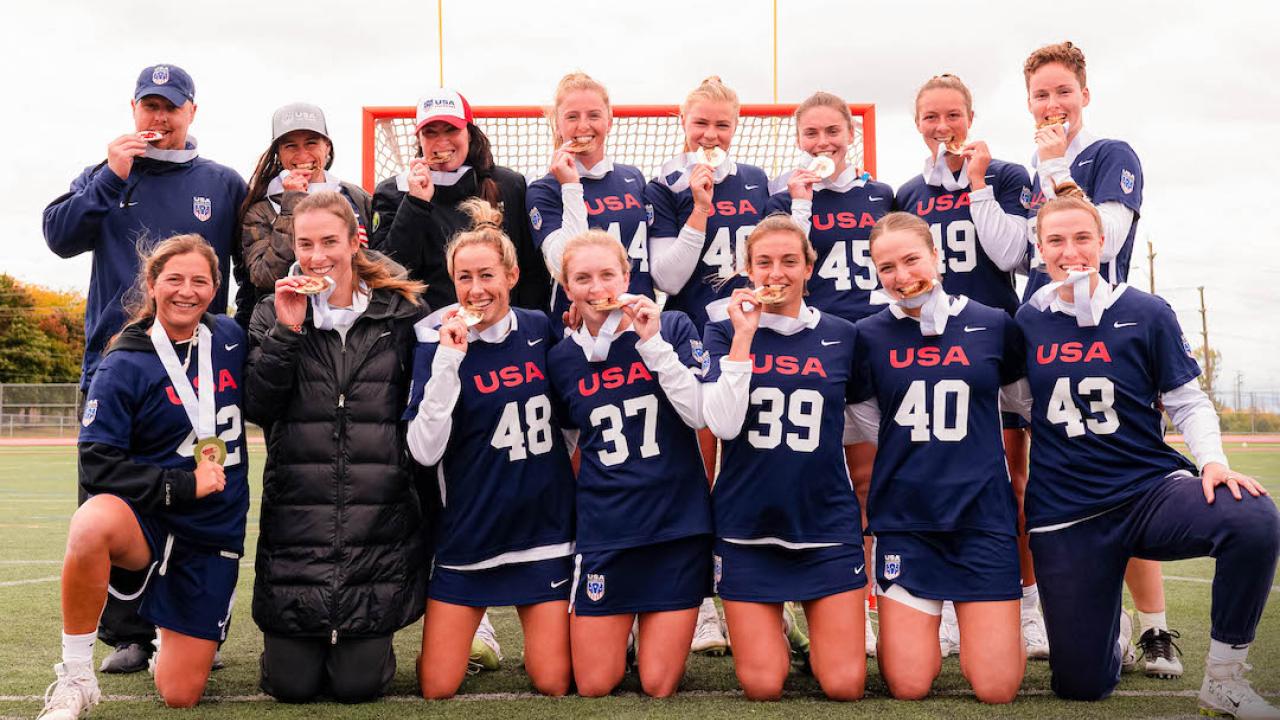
{"type": "Point", "coordinates": [534, 342]}
{"type": "Point", "coordinates": [128, 204]}
{"type": "Point", "coordinates": [873, 198]}
{"type": "Point", "coordinates": [988, 177]}
{"type": "Point", "coordinates": [828, 343]}
{"type": "Point", "coordinates": [968, 328]}
{"type": "Point", "coordinates": [858, 570]}
{"type": "Point", "coordinates": [384, 334]}
{"type": "Point", "coordinates": [555, 585]}
{"type": "Point", "coordinates": [1084, 162]}
{"type": "Point", "coordinates": [750, 187]}
{"type": "Point", "coordinates": [232, 346]}
{"type": "Point", "coordinates": [1123, 325]}
{"type": "Point", "coordinates": [628, 179]}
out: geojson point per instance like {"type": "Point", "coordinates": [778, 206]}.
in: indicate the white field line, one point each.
{"type": "Point", "coordinates": [1204, 581]}
{"type": "Point", "coordinates": [32, 581]}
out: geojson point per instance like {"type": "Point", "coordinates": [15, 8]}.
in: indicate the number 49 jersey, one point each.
{"type": "Point", "coordinates": [505, 480]}
{"type": "Point", "coordinates": [131, 405]}
{"type": "Point", "coordinates": [641, 479]}
{"type": "Point", "coordinates": [784, 476]}
{"type": "Point", "coordinates": [1098, 436]}
{"type": "Point", "coordinates": [940, 462]}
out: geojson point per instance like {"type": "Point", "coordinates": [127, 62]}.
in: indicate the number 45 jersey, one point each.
{"type": "Point", "coordinates": [505, 480]}
{"type": "Point", "coordinates": [1097, 433]}
{"type": "Point", "coordinates": [784, 478]}
{"type": "Point", "coordinates": [940, 462]}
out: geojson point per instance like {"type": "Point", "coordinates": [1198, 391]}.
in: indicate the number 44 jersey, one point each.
{"type": "Point", "coordinates": [1095, 420]}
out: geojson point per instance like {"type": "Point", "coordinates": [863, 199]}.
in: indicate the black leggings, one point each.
{"type": "Point", "coordinates": [296, 670]}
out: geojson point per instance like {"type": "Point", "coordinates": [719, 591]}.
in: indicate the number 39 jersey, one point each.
{"type": "Point", "coordinates": [1097, 431]}
{"type": "Point", "coordinates": [784, 476]}
{"type": "Point", "coordinates": [963, 264]}
{"type": "Point", "coordinates": [641, 480]}
{"type": "Point", "coordinates": [505, 479]}
{"type": "Point", "coordinates": [940, 462]}
{"type": "Point", "coordinates": [131, 405]}
{"type": "Point", "coordinates": [839, 228]}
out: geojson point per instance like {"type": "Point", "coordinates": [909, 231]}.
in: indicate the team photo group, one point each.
{"type": "Point", "coordinates": [606, 400]}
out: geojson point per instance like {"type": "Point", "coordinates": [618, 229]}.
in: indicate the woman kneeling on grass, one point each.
{"type": "Point", "coordinates": [162, 456]}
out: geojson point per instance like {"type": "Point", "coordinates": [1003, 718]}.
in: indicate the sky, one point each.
{"type": "Point", "coordinates": [1190, 85]}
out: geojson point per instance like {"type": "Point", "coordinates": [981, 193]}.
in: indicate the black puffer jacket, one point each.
{"type": "Point", "coordinates": [414, 233]}
{"type": "Point", "coordinates": [340, 550]}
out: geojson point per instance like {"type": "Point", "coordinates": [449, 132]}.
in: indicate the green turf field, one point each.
{"type": "Point", "coordinates": [37, 497]}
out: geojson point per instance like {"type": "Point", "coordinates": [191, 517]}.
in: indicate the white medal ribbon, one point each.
{"type": "Point", "coordinates": [937, 174]}
{"type": "Point", "coordinates": [332, 183]}
{"type": "Point", "coordinates": [935, 308]}
{"type": "Point", "coordinates": [1087, 308]}
{"type": "Point", "coordinates": [595, 172]}
{"type": "Point", "coordinates": [438, 177]}
{"type": "Point", "coordinates": [683, 164]}
{"type": "Point", "coordinates": [186, 154]}
{"type": "Point", "coordinates": [597, 348]}
{"type": "Point", "coordinates": [201, 409]}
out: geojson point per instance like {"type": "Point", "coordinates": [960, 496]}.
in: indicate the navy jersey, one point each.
{"type": "Point", "coordinates": [940, 461]}
{"type": "Point", "coordinates": [1098, 435]}
{"type": "Point", "coordinates": [963, 265]}
{"type": "Point", "coordinates": [505, 479]}
{"type": "Point", "coordinates": [1107, 171]}
{"type": "Point", "coordinates": [641, 480]}
{"type": "Point", "coordinates": [839, 228]}
{"type": "Point", "coordinates": [784, 475]}
{"type": "Point", "coordinates": [615, 204]}
{"type": "Point", "coordinates": [131, 405]}
{"type": "Point", "coordinates": [737, 204]}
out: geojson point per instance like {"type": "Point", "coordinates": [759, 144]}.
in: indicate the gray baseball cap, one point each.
{"type": "Point", "coordinates": [298, 116]}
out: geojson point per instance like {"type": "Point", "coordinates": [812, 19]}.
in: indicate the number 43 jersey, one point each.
{"type": "Point", "coordinates": [783, 479]}
{"type": "Point", "coordinates": [505, 480]}
{"type": "Point", "coordinates": [940, 462]}
{"type": "Point", "coordinates": [1097, 430]}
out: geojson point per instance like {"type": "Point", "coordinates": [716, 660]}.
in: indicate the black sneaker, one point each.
{"type": "Point", "coordinates": [127, 658]}
{"type": "Point", "coordinates": [1159, 653]}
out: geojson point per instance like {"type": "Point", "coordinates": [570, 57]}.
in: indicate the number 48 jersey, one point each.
{"type": "Point", "coordinates": [940, 462]}
{"type": "Point", "coordinates": [784, 478]}
{"type": "Point", "coordinates": [1097, 428]}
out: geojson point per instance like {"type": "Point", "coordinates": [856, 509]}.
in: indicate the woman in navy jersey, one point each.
{"type": "Point", "coordinates": [629, 381]}
{"type": "Point", "coordinates": [704, 205]}
{"type": "Point", "coordinates": [162, 456]}
{"type": "Point", "coordinates": [786, 516]}
{"type": "Point", "coordinates": [1102, 362]}
{"type": "Point", "coordinates": [584, 188]}
{"type": "Point", "coordinates": [838, 209]}
{"type": "Point", "coordinates": [941, 507]}
{"type": "Point", "coordinates": [976, 210]}
{"type": "Point", "coordinates": [482, 413]}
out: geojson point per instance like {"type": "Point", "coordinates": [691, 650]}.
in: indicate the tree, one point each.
{"type": "Point", "coordinates": [41, 333]}
{"type": "Point", "coordinates": [1209, 376]}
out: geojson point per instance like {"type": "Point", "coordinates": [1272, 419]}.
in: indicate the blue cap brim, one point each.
{"type": "Point", "coordinates": [171, 94]}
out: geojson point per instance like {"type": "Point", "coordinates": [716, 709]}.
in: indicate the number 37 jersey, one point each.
{"type": "Point", "coordinates": [783, 478]}
{"type": "Point", "coordinates": [1098, 436]}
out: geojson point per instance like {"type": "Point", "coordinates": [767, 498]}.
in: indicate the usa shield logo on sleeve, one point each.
{"type": "Point", "coordinates": [535, 218]}
{"type": "Point", "coordinates": [90, 412]}
{"type": "Point", "coordinates": [202, 208]}
{"type": "Point", "coordinates": [1126, 181]}
{"type": "Point", "coordinates": [595, 586]}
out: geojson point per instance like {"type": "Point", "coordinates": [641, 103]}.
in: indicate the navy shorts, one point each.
{"type": "Point", "coordinates": [773, 574]}
{"type": "Point", "coordinates": [527, 583]}
{"type": "Point", "coordinates": [672, 575]}
{"type": "Point", "coordinates": [189, 588]}
{"type": "Point", "coordinates": [962, 566]}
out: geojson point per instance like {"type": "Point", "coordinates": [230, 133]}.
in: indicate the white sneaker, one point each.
{"type": "Point", "coordinates": [1160, 653]}
{"type": "Point", "coordinates": [73, 694]}
{"type": "Point", "coordinates": [1128, 653]}
{"type": "Point", "coordinates": [1225, 693]}
{"type": "Point", "coordinates": [708, 637]}
{"type": "Point", "coordinates": [870, 633]}
{"type": "Point", "coordinates": [486, 654]}
{"type": "Point", "coordinates": [949, 637]}
{"type": "Point", "coordinates": [1034, 635]}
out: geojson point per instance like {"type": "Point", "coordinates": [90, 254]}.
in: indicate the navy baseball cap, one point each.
{"type": "Point", "coordinates": [168, 81]}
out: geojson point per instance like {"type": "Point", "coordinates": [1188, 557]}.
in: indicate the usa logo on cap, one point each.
{"type": "Point", "coordinates": [202, 208]}
{"type": "Point", "coordinates": [160, 75]}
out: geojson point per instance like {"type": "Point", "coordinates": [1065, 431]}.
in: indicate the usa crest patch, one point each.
{"type": "Point", "coordinates": [90, 412]}
{"type": "Point", "coordinates": [701, 355]}
{"type": "Point", "coordinates": [892, 566]}
{"type": "Point", "coordinates": [648, 213]}
{"type": "Point", "coordinates": [1126, 181]}
{"type": "Point", "coordinates": [160, 75]}
{"type": "Point", "coordinates": [202, 208]}
{"type": "Point", "coordinates": [595, 586]}
{"type": "Point", "coordinates": [535, 218]}
{"type": "Point", "coordinates": [1025, 197]}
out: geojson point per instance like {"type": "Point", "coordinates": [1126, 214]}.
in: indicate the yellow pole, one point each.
{"type": "Point", "coordinates": [440, 37]}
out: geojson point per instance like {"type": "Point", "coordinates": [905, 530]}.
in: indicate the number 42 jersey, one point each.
{"type": "Point", "coordinates": [1097, 429]}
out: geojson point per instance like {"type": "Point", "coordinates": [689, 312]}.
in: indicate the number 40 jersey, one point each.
{"type": "Point", "coordinates": [1098, 436]}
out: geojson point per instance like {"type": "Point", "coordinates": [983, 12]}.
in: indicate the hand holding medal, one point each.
{"type": "Point", "coordinates": [210, 477]}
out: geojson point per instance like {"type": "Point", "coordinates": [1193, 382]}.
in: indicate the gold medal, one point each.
{"type": "Point", "coordinates": [211, 449]}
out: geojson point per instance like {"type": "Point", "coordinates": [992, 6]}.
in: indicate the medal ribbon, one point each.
{"type": "Point", "coordinates": [201, 410]}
